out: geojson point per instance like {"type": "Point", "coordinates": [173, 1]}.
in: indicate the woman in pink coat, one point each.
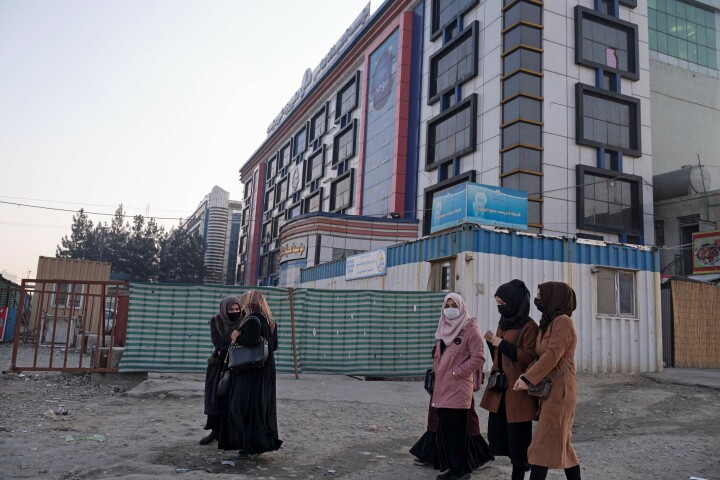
{"type": "Point", "coordinates": [459, 352]}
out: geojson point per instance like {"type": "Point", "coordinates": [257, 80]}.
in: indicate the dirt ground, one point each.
{"type": "Point", "coordinates": [627, 426]}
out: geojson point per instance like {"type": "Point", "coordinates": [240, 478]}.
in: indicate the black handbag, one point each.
{"type": "Point", "coordinates": [222, 385]}
{"type": "Point", "coordinates": [542, 389]}
{"type": "Point", "coordinates": [497, 382]}
{"type": "Point", "coordinates": [242, 358]}
{"type": "Point", "coordinates": [429, 381]}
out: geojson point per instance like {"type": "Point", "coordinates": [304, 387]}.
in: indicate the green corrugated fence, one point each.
{"type": "Point", "coordinates": [356, 332]}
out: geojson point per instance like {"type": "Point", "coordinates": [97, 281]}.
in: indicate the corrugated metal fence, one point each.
{"type": "Point", "coordinates": [373, 333]}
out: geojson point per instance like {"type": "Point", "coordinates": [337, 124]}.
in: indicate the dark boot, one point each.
{"type": "Point", "coordinates": [213, 435]}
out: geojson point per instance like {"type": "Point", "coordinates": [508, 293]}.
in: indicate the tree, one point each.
{"type": "Point", "coordinates": [83, 242]}
{"type": "Point", "coordinates": [143, 249]}
{"type": "Point", "coordinates": [182, 259]}
{"type": "Point", "coordinates": [115, 242]}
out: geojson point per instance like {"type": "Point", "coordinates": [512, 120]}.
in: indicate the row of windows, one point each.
{"type": "Point", "coordinates": [683, 31]}
{"type": "Point", "coordinates": [445, 12]}
{"type": "Point", "coordinates": [521, 148]}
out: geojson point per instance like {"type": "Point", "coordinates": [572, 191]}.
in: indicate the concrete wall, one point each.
{"type": "Point", "coordinates": [685, 118]}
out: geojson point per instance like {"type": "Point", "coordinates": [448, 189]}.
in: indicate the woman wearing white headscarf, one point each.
{"type": "Point", "coordinates": [459, 353]}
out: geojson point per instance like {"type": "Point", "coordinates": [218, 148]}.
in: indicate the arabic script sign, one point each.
{"type": "Point", "coordinates": [294, 249]}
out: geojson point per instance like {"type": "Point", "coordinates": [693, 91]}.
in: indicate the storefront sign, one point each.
{"type": "Point", "coordinates": [480, 204]}
{"type": "Point", "coordinates": [706, 252]}
{"type": "Point", "coordinates": [368, 264]}
{"type": "Point", "coordinates": [311, 77]}
{"type": "Point", "coordinates": [294, 249]}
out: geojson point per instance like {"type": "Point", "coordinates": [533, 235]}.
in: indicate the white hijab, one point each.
{"type": "Point", "coordinates": [448, 329]}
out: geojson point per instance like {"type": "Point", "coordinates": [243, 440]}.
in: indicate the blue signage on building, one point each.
{"type": "Point", "coordinates": [480, 204]}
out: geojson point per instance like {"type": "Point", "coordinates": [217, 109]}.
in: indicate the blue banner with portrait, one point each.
{"type": "Point", "coordinates": [479, 204]}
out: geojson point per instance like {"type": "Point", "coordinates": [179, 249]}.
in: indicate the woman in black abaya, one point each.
{"type": "Point", "coordinates": [249, 420]}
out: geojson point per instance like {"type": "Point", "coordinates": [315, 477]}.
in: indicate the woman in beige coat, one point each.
{"type": "Point", "coordinates": [551, 446]}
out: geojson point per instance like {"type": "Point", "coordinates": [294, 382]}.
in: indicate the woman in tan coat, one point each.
{"type": "Point", "coordinates": [512, 349]}
{"type": "Point", "coordinates": [551, 446]}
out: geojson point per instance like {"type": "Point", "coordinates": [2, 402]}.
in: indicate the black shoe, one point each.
{"type": "Point", "coordinates": [451, 476]}
{"type": "Point", "coordinates": [213, 435]}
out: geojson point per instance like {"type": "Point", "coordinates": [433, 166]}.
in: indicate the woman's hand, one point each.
{"type": "Point", "coordinates": [234, 335]}
{"type": "Point", "coordinates": [520, 385]}
{"type": "Point", "coordinates": [488, 336]}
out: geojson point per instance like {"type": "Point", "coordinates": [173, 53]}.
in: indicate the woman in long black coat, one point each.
{"type": "Point", "coordinates": [225, 321]}
{"type": "Point", "coordinates": [249, 419]}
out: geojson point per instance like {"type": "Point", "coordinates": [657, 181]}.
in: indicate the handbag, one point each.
{"type": "Point", "coordinates": [497, 381]}
{"type": "Point", "coordinates": [429, 381]}
{"type": "Point", "coordinates": [542, 389]}
{"type": "Point", "coordinates": [222, 385]}
{"type": "Point", "coordinates": [242, 358]}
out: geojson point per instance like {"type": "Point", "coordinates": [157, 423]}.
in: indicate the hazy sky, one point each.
{"type": "Point", "coordinates": [141, 102]}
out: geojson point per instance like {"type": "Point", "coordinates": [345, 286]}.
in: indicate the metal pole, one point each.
{"type": "Point", "coordinates": [292, 326]}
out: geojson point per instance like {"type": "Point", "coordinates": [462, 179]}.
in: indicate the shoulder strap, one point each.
{"type": "Point", "coordinates": [561, 371]}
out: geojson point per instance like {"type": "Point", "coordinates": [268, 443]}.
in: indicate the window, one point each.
{"type": "Point", "coordinates": [683, 31]}
{"type": "Point", "coordinates": [270, 200]}
{"type": "Point", "coordinates": [284, 156]}
{"type": "Point", "coordinates": [341, 192]}
{"type": "Point", "coordinates": [523, 181]}
{"type": "Point", "coordinates": [522, 108]}
{"type": "Point", "coordinates": [347, 98]}
{"type": "Point", "coordinates": [452, 133]}
{"type": "Point", "coordinates": [522, 58]}
{"type": "Point", "coordinates": [521, 133]}
{"type": "Point", "coordinates": [313, 203]}
{"type": "Point", "coordinates": [248, 190]}
{"type": "Point", "coordinates": [315, 165]}
{"type": "Point", "coordinates": [659, 233]}
{"type": "Point", "coordinates": [243, 245]}
{"type": "Point", "coordinates": [521, 159]}
{"type": "Point", "coordinates": [318, 125]}
{"type": "Point", "coordinates": [445, 12]}
{"type": "Point", "coordinates": [282, 189]}
{"type": "Point", "coordinates": [294, 211]}
{"type": "Point", "coordinates": [606, 42]}
{"type": "Point", "coordinates": [607, 120]}
{"type": "Point", "coordinates": [264, 266]}
{"type": "Point", "coordinates": [271, 168]}
{"type": "Point", "coordinates": [607, 203]}
{"type": "Point", "coordinates": [454, 64]}
{"type": "Point", "coordinates": [523, 11]}
{"type": "Point", "coordinates": [267, 232]}
{"type": "Point", "coordinates": [300, 142]}
{"type": "Point", "coordinates": [344, 143]}
{"type": "Point", "coordinates": [615, 292]}
{"type": "Point", "coordinates": [524, 35]}
{"type": "Point", "coordinates": [68, 295]}
{"type": "Point", "coordinates": [522, 82]}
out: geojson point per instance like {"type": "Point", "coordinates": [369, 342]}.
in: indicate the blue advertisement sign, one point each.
{"type": "Point", "coordinates": [480, 204]}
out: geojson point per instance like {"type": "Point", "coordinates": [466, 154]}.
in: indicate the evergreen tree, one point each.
{"type": "Point", "coordinates": [115, 242]}
{"type": "Point", "coordinates": [181, 258]}
{"type": "Point", "coordinates": [82, 243]}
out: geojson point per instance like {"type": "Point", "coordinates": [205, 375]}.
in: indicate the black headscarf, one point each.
{"type": "Point", "coordinates": [517, 298]}
{"type": "Point", "coordinates": [559, 299]}
{"type": "Point", "coordinates": [223, 323]}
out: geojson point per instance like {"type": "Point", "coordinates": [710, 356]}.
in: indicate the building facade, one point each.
{"type": "Point", "coordinates": [218, 221]}
{"type": "Point", "coordinates": [550, 98]}
{"type": "Point", "coordinates": [685, 99]}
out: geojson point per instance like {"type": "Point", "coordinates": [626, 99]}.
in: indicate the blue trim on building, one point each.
{"type": "Point", "coordinates": [478, 240]}
{"type": "Point", "coordinates": [413, 143]}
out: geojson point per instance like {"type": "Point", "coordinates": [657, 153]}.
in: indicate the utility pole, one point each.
{"type": "Point", "coordinates": [702, 176]}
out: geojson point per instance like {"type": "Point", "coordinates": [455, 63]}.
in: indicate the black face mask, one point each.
{"type": "Point", "coordinates": [539, 304]}
{"type": "Point", "coordinates": [234, 316]}
{"type": "Point", "coordinates": [504, 310]}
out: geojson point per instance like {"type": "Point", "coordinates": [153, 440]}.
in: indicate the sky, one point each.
{"type": "Point", "coordinates": [145, 103]}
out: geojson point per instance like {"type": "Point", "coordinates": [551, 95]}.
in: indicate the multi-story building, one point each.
{"type": "Point", "coordinates": [551, 98]}
{"type": "Point", "coordinates": [685, 101]}
{"type": "Point", "coordinates": [217, 219]}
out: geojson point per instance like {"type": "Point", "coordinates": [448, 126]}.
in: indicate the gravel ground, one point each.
{"type": "Point", "coordinates": [627, 426]}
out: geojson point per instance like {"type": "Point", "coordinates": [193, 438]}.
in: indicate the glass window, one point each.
{"type": "Point", "coordinates": [270, 200]}
{"type": "Point", "coordinates": [455, 63]}
{"type": "Point", "coordinates": [521, 159]}
{"type": "Point", "coordinates": [313, 203]}
{"type": "Point", "coordinates": [608, 203]}
{"type": "Point", "coordinates": [683, 31]}
{"type": "Point", "coordinates": [318, 125]}
{"type": "Point", "coordinates": [281, 189]}
{"type": "Point", "coordinates": [315, 166]}
{"type": "Point", "coordinates": [615, 292]}
{"type": "Point", "coordinates": [525, 182]}
{"type": "Point", "coordinates": [299, 142]}
{"type": "Point", "coordinates": [609, 121]}
{"type": "Point", "coordinates": [341, 192]}
{"type": "Point", "coordinates": [284, 156]}
{"type": "Point", "coordinates": [271, 168]}
{"type": "Point", "coordinates": [344, 144]}
{"type": "Point", "coordinates": [446, 11]}
{"type": "Point", "coordinates": [68, 295]}
{"type": "Point", "coordinates": [452, 133]}
{"type": "Point", "coordinates": [346, 100]}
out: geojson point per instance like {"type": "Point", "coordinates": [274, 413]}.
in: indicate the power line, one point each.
{"type": "Point", "coordinates": [88, 204]}
{"type": "Point", "coordinates": [55, 209]}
